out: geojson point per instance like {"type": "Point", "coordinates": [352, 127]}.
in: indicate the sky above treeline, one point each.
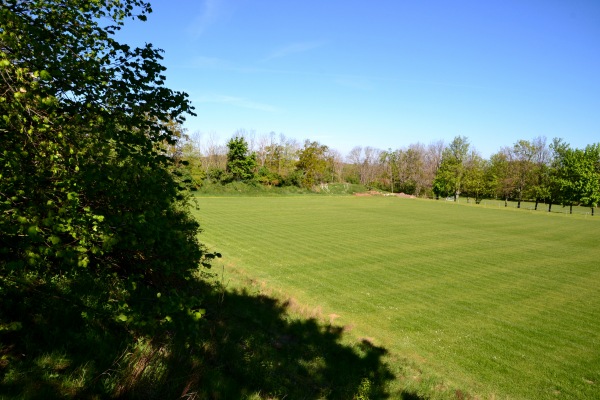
{"type": "Point", "coordinates": [384, 73]}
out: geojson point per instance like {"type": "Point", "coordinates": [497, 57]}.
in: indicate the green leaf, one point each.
{"type": "Point", "coordinates": [45, 75]}
{"type": "Point", "coordinates": [33, 231]}
{"type": "Point", "coordinates": [199, 314]}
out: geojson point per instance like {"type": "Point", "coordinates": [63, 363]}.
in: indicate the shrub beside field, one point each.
{"type": "Point", "coordinates": [466, 300]}
{"type": "Point", "coordinates": [257, 189]}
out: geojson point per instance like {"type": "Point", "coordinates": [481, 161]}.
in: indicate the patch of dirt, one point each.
{"type": "Point", "coordinates": [369, 193]}
{"type": "Point", "coordinates": [376, 193]}
{"type": "Point", "coordinates": [403, 195]}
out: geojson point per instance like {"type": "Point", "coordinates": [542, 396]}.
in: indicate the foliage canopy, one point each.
{"type": "Point", "coordinates": [92, 207]}
{"type": "Point", "coordinates": [449, 176]}
{"type": "Point", "coordinates": [312, 163]}
{"type": "Point", "coordinates": [240, 164]}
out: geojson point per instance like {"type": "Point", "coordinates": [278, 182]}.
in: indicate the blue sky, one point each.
{"type": "Point", "coordinates": [384, 73]}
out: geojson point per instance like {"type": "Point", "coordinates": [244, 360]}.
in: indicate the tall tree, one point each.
{"type": "Point", "coordinates": [522, 157]}
{"type": "Point", "coordinates": [448, 179]}
{"type": "Point", "coordinates": [367, 162]}
{"type": "Point", "coordinates": [388, 160]}
{"type": "Point", "coordinates": [576, 174]}
{"type": "Point", "coordinates": [241, 166]}
{"type": "Point", "coordinates": [356, 160]}
{"type": "Point", "coordinates": [312, 164]}
{"type": "Point", "coordinates": [191, 152]}
{"type": "Point", "coordinates": [418, 168]}
{"type": "Point", "coordinates": [561, 184]}
{"type": "Point", "coordinates": [432, 161]}
{"type": "Point", "coordinates": [590, 177]}
{"type": "Point", "coordinates": [499, 175]}
{"type": "Point", "coordinates": [474, 183]}
{"type": "Point", "coordinates": [261, 148]}
{"type": "Point", "coordinates": [215, 154]}
{"type": "Point", "coordinates": [337, 165]}
{"type": "Point", "coordinates": [90, 210]}
{"type": "Point", "coordinates": [281, 157]}
{"type": "Point", "coordinates": [539, 188]}
{"type": "Point", "coordinates": [410, 169]}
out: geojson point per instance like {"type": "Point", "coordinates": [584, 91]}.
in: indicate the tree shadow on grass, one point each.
{"type": "Point", "coordinates": [246, 346]}
{"type": "Point", "coordinates": [252, 348]}
{"type": "Point", "coordinates": [49, 349]}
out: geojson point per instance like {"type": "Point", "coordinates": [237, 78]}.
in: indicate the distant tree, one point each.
{"type": "Point", "coordinates": [191, 153]}
{"type": "Point", "coordinates": [561, 187]}
{"type": "Point", "coordinates": [261, 148]}
{"type": "Point", "coordinates": [576, 174]}
{"type": "Point", "coordinates": [449, 176]}
{"type": "Point", "coordinates": [431, 163]}
{"type": "Point", "coordinates": [410, 164]}
{"type": "Point", "coordinates": [523, 169]}
{"type": "Point", "coordinates": [266, 177]}
{"type": "Point", "coordinates": [590, 177]}
{"type": "Point", "coordinates": [539, 188]}
{"type": "Point", "coordinates": [241, 166]}
{"type": "Point", "coordinates": [474, 182]}
{"type": "Point", "coordinates": [356, 159]}
{"type": "Point", "coordinates": [419, 174]}
{"type": "Point", "coordinates": [367, 162]}
{"type": "Point", "coordinates": [215, 155]}
{"type": "Point", "coordinates": [388, 160]}
{"type": "Point", "coordinates": [371, 165]}
{"type": "Point", "coordinates": [350, 173]}
{"type": "Point", "coordinates": [312, 164]}
{"type": "Point", "coordinates": [500, 176]}
{"type": "Point", "coordinates": [337, 165]}
{"type": "Point", "coordinates": [281, 157]}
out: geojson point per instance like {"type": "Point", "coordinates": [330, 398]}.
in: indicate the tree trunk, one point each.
{"type": "Point", "coordinates": [536, 203]}
{"type": "Point", "coordinates": [570, 208]}
{"type": "Point", "coordinates": [550, 206]}
{"type": "Point", "coordinates": [592, 211]}
{"type": "Point", "coordinates": [506, 201]}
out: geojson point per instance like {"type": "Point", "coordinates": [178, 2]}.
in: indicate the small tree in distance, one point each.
{"type": "Point", "coordinates": [312, 164]}
{"type": "Point", "coordinates": [241, 166]}
{"type": "Point", "coordinates": [449, 176]}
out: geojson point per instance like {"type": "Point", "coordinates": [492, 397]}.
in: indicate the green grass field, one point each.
{"type": "Point", "coordinates": [469, 300]}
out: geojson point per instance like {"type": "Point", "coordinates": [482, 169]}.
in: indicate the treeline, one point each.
{"type": "Point", "coordinates": [532, 170]}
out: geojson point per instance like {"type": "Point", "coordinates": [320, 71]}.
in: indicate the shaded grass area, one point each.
{"type": "Point", "coordinates": [247, 346]}
{"type": "Point", "coordinates": [486, 302]}
{"type": "Point", "coordinates": [530, 206]}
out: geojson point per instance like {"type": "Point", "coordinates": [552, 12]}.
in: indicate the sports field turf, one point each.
{"type": "Point", "coordinates": [499, 303]}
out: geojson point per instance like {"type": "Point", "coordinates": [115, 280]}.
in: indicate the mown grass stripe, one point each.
{"type": "Point", "coordinates": [498, 302]}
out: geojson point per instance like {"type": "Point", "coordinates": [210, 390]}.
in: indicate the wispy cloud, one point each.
{"type": "Point", "coordinates": [235, 101]}
{"type": "Point", "coordinates": [293, 48]}
{"type": "Point", "coordinates": [211, 10]}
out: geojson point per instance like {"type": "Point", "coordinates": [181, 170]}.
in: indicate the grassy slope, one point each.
{"type": "Point", "coordinates": [496, 302]}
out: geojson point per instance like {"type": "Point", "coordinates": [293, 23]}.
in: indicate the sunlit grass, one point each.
{"type": "Point", "coordinates": [493, 301]}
